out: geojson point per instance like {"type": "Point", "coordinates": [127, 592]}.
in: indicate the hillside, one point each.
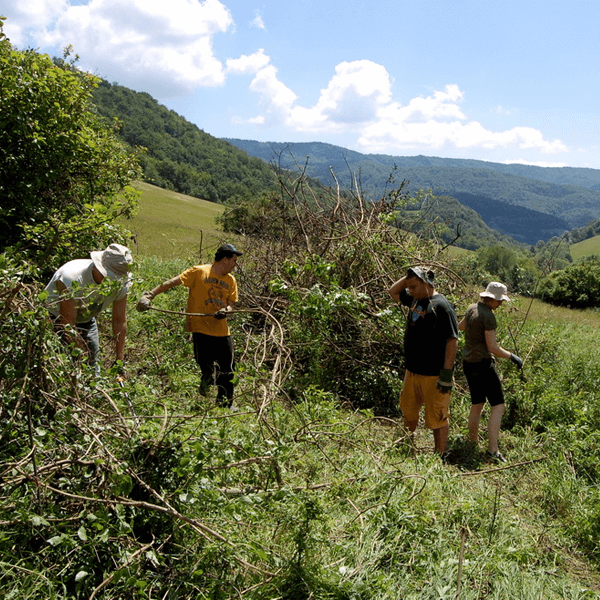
{"type": "Point", "coordinates": [520, 202]}
{"type": "Point", "coordinates": [172, 225]}
{"type": "Point", "coordinates": [555, 199]}
{"type": "Point", "coordinates": [179, 156]}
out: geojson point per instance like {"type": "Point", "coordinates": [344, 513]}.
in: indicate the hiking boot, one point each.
{"type": "Point", "coordinates": [495, 456]}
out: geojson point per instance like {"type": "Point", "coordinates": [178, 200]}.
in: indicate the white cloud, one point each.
{"type": "Point", "coordinates": [30, 15]}
{"type": "Point", "coordinates": [164, 48]}
{"type": "Point", "coordinates": [258, 21]}
{"type": "Point", "coordinates": [355, 94]}
{"type": "Point", "coordinates": [276, 96]}
{"type": "Point", "coordinates": [250, 64]}
{"type": "Point", "coordinates": [358, 99]}
{"type": "Point", "coordinates": [500, 110]}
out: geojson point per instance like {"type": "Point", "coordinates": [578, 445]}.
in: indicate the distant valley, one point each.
{"type": "Point", "coordinates": [490, 202]}
{"type": "Point", "coordinates": [527, 203]}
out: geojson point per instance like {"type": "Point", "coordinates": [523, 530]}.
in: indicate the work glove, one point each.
{"type": "Point", "coordinates": [221, 313]}
{"type": "Point", "coordinates": [514, 358]}
{"type": "Point", "coordinates": [445, 382]}
{"type": "Point", "coordinates": [144, 302]}
{"type": "Point", "coordinates": [119, 367]}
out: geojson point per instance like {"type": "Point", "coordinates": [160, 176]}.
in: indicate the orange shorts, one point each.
{"type": "Point", "coordinates": [419, 390]}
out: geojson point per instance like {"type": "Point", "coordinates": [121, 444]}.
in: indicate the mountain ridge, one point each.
{"type": "Point", "coordinates": [556, 199]}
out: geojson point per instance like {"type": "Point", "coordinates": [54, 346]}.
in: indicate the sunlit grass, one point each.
{"type": "Point", "coordinates": [589, 247]}
{"type": "Point", "coordinates": [171, 225]}
{"type": "Point", "coordinates": [536, 310]}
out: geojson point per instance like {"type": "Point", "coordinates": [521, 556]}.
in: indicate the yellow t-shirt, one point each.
{"type": "Point", "coordinates": [208, 293]}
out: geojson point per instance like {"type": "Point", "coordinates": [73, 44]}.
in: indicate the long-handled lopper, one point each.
{"type": "Point", "coordinates": [121, 381]}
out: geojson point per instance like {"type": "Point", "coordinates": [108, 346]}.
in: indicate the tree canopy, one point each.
{"type": "Point", "coordinates": [63, 172]}
{"type": "Point", "coordinates": [178, 155]}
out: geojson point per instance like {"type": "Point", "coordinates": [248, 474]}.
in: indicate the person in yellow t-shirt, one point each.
{"type": "Point", "coordinates": [212, 290]}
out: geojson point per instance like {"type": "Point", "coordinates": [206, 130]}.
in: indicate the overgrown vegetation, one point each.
{"type": "Point", "coordinates": [63, 174]}
{"type": "Point", "coordinates": [310, 488]}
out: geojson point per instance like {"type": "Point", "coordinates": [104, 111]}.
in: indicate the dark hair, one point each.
{"type": "Point", "coordinates": [220, 254]}
{"type": "Point", "coordinates": [226, 251]}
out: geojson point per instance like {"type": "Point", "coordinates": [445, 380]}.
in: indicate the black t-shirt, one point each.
{"type": "Point", "coordinates": [431, 321]}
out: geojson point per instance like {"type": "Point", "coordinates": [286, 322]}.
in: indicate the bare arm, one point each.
{"type": "Point", "coordinates": [463, 324]}
{"type": "Point", "coordinates": [493, 346]}
{"type": "Point", "coordinates": [395, 290]}
{"type": "Point", "coordinates": [165, 286]}
{"type": "Point", "coordinates": [450, 355]}
{"type": "Point", "coordinates": [68, 314]}
{"type": "Point", "coordinates": [119, 326]}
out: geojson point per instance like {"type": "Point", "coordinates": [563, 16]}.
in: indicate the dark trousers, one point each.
{"type": "Point", "coordinates": [210, 350]}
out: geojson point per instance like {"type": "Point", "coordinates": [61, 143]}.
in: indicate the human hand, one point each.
{"type": "Point", "coordinates": [445, 382]}
{"type": "Point", "coordinates": [144, 302]}
{"type": "Point", "coordinates": [221, 314]}
{"type": "Point", "coordinates": [514, 358]}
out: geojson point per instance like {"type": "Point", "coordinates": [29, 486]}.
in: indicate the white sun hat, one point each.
{"type": "Point", "coordinates": [113, 262]}
{"type": "Point", "coordinates": [495, 290]}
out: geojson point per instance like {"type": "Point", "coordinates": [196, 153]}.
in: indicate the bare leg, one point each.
{"type": "Point", "coordinates": [494, 427]}
{"type": "Point", "coordinates": [474, 417]}
{"type": "Point", "coordinates": [440, 439]}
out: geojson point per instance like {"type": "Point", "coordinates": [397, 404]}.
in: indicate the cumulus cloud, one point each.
{"type": "Point", "coordinates": [166, 49]}
{"type": "Point", "coordinates": [358, 99]}
{"type": "Point", "coordinates": [162, 47]}
{"type": "Point", "coordinates": [248, 64]}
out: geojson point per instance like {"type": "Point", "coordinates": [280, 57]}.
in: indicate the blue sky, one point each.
{"type": "Point", "coordinates": [499, 80]}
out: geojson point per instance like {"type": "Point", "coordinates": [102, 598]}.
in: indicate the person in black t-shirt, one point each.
{"type": "Point", "coordinates": [430, 345]}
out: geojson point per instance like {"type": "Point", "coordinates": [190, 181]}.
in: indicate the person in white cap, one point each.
{"type": "Point", "coordinates": [481, 346]}
{"type": "Point", "coordinates": [430, 346]}
{"type": "Point", "coordinates": [76, 297]}
{"type": "Point", "coordinates": [212, 291]}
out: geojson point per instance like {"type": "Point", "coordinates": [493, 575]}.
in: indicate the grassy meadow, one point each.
{"type": "Point", "coordinates": [148, 489]}
{"type": "Point", "coordinates": [173, 225]}
{"type": "Point", "coordinates": [371, 513]}
{"type": "Point", "coordinates": [589, 247]}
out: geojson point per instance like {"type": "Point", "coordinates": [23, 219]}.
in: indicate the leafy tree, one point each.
{"type": "Point", "coordinates": [63, 172]}
{"type": "Point", "coordinates": [504, 263]}
{"type": "Point", "coordinates": [577, 286]}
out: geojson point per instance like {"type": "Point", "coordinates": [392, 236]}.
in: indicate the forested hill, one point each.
{"type": "Point", "coordinates": [179, 156]}
{"type": "Point", "coordinates": [526, 203]}
{"type": "Point", "coordinates": [554, 199]}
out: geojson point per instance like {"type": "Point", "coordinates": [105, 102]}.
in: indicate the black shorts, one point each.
{"type": "Point", "coordinates": [484, 382]}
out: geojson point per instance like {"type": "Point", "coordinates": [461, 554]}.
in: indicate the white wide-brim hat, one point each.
{"type": "Point", "coordinates": [495, 290]}
{"type": "Point", "coordinates": [113, 262]}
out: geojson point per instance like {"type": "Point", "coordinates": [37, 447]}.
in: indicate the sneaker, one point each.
{"type": "Point", "coordinates": [495, 456]}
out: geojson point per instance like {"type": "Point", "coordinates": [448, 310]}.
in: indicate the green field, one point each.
{"type": "Point", "coordinates": [172, 225]}
{"type": "Point", "coordinates": [589, 247]}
